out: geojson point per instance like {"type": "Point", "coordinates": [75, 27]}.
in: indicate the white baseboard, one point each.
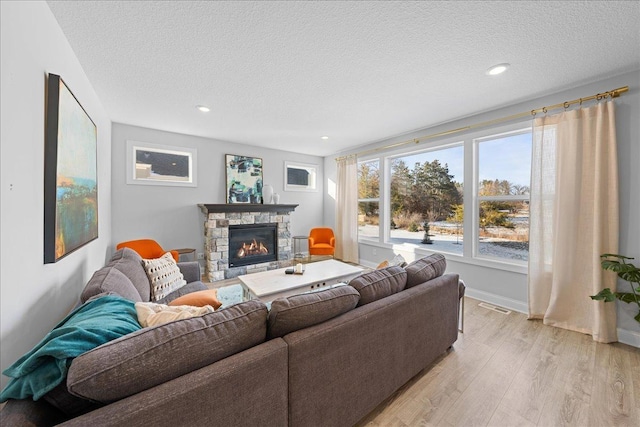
{"type": "Point", "coordinates": [498, 300]}
{"type": "Point", "coordinates": [629, 337]}
{"type": "Point", "coordinates": [624, 336]}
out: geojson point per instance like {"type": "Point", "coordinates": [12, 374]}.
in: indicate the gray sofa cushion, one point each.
{"type": "Point", "coordinates": [190, 270]}
{"type": "Point", "coordinates": [110, 280]}
{"type": "Point", "coordinates": [130, 264]}
{"type": "Point", "coordinates": [300, 311]}
{"type": "Point", "coordinates": [152, 356]}
{"type": "Point", "coordinates": [425, 269]}
{"type": "Point", "coordinates": [186, 289]}
{"type": "Point", "coordinates": [378, 284]}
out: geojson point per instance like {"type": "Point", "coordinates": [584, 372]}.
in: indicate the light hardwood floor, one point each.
{"type": "Point", "coordinates": [505, 370]}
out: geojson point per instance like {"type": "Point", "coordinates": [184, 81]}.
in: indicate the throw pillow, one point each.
{"type": "Point", "coordinates": [425, 269]}
{"type": "Point", "coordinates": [383, 264]}
{"type": "Point", "coordinates": [152, 314]}
{"type": "Point", "coordinates": [199, 299]}
{"type": "Point", "coordinates": [378, 284]}
{"type": "Point", "coordinates": [300, 311]}
{"type": "Point", "coordinates": [398, 260]}
{"type": "Point", "coordinates": [164, 276]}
{"type": "Point", "coordinates": [129, 263]}
{"type": "Point", "coordinates": [110, 280]}
{"type": "Point", "coordinates": [153, 356]}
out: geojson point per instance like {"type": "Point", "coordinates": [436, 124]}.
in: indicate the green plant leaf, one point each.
{"type": "Point", "coordinates": [605, 295]}
{"type": "Point", "coordinates": [617, 267]}
{"type": "Point", "coordinates": [626, 271]}
{"type": "Point", "coordinates": [632, 276]}
{"type": "Point", "coordinates": [615, 256]}
{"type": "Point", "coordinates": [627, 297]}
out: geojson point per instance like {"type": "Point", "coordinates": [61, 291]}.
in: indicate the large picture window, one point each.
{"type": "Point", "coordinates": [426, 199]}
{"type": "Point", "coordinates": [467, 197]}
{"type": "Point", "coordinates": [504, 174]}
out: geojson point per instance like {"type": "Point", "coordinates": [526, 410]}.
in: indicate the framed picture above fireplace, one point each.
{"type": "Point", "coordinates": [244, 179]}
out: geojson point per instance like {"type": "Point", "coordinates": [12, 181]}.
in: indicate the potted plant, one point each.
{"type": "Point", "coordinates": [626, 271]}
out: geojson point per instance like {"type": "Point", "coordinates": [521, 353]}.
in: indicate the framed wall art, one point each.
{"type": "Point", "coordinates": [300, 176]}
{"type": "Point", "coordinates": [151, 164]}
{"type": "Point", "coordinates": [244, 179]}
{"type": "Point", "coordinates": [70, 173]}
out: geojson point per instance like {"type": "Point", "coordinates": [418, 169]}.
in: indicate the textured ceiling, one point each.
{"type": "Point", "coordinates": [283, 74]}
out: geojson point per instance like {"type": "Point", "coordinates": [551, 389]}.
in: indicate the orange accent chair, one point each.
{"type": "Point", "coordinates": [322, 241]}
{"type": "Point", "coordinates": [147, 248]}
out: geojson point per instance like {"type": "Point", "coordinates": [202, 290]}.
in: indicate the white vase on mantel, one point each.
{"type": "Point", "coordinates": [276, 198]}
{"type": "Point", "coordinates": [267, 194]}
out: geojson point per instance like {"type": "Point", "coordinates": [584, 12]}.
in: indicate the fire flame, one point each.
{"type": "Point", "coordinates": [252, 248]}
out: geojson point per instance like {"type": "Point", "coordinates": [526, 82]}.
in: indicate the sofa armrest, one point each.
{"type": "Point", "coordinates": [190, 270]}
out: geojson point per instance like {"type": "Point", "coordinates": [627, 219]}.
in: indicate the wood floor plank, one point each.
{"type": "Point", "coordinates": [507, 417]}
{"type": "Point", "coordinates": [510, 371]}
{"type": "Point", "coordinates": [478, 402]}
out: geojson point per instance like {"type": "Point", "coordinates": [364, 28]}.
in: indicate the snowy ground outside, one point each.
{"type": "Point", "coordinates": [492, 247]}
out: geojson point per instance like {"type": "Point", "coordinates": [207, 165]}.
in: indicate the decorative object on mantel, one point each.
{"type": "Point", "coordinates": [70, 178]}
{"type": "Point", "coordinates": [267, 194]}
{"type": "Point", "coordinates": [244, 179]}
{"type": "Point", "coordinates": [276, 198]}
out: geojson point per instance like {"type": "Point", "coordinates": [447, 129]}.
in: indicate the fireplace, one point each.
{"type": "Point", "coordinates": [221, 218]}
{"type": "Point", "coordinates": [252, 244]}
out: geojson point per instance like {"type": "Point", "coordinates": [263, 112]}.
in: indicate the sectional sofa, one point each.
{"type": "Point", "coordinates": [326, 358]}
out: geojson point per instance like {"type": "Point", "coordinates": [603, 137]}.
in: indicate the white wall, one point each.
{"type": "Point", "coordinates": [509, 288]}
{"type": "Point", "coordinates": [34, 296]}
{"type": "Point", "coordinates": [170, 214]}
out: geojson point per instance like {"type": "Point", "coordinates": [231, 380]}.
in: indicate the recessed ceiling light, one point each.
{"type": "Point", "coordinates": [324, 137]}
{"type": "Point", "coordinates": [203, 108]}
{"type": "Point", "coordinates": [497, 69]}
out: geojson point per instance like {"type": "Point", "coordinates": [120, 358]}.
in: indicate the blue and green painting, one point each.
{"type": "Point", "coordinates": [76, 183]}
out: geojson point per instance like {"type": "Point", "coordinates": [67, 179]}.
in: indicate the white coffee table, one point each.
{"type": "Point", "coordinates": [270, 285]}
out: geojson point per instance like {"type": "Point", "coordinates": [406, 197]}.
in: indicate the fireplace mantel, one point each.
{"type": "Point", "coordinates": [245, 207]}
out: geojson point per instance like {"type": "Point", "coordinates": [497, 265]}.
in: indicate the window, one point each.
{"type": "Point", "coordinates": [467, 196]}
{"type": "Point", "coordinates": [426, 199]}
{"type": "Point", "coordinates": [504, 171]}
{"type": "Point", "coordinates": [369, 199]}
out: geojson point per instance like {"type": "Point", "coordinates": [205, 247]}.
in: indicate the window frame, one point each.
{"type": "Point", "coordinates": [381, 188]}
{"type": "Point", "coordinates": [471, 200]}
{"type": "Point", "coordinates": [438, 146]}
{"type": "Point", "coordinates": [491, 135]}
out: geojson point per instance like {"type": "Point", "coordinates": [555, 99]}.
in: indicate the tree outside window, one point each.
{"type": "Point", "coordinates": [504, 165]}
{"type": "Point", "coordinates": [424, 198]}
{"type": "Point", "coordinates": [369, 199]}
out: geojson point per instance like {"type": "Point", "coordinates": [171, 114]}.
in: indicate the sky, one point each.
{"type": "Point", "coordinates": [503, 158]}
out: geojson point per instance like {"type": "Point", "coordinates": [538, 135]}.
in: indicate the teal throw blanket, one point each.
{"type": "Point", "coordinates": [92, 324]}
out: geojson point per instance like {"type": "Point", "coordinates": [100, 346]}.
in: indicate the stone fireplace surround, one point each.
{"type": "Point", "coordinates": [218, 217]}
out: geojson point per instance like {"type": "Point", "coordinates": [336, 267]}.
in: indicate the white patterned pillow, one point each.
{"type": "Point", "coordinates": [164, 276]}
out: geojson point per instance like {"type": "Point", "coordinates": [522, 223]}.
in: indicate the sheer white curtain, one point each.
{"type": "Point", "coordinates": [574, 219]}
{"type": "Point", "coordinates": [347, 209]}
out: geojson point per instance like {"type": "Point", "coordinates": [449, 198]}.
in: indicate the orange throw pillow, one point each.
{"type": "Point", "coordinates": [199, 299]}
